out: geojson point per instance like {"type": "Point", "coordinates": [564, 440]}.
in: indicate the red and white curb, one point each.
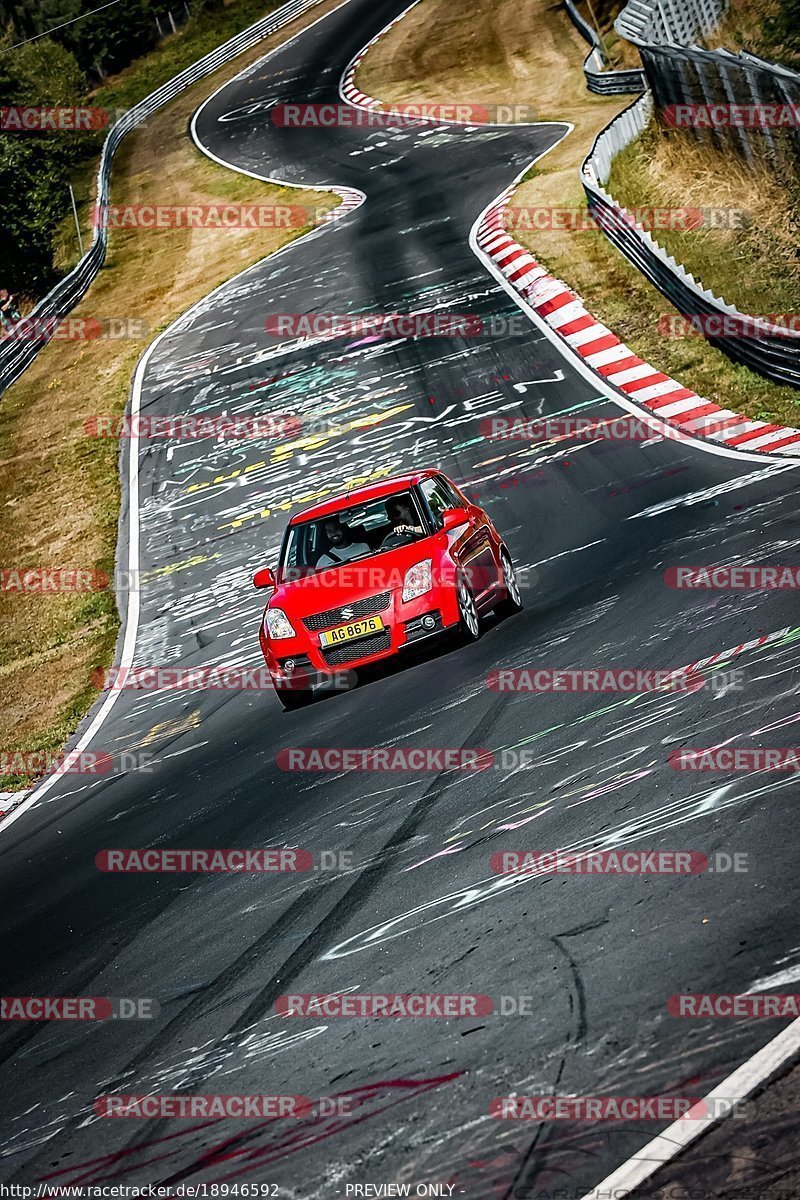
{"type": "Point", "coordinates": [351, 199]}
{"type": "Point", "coordinates": [563, 311]}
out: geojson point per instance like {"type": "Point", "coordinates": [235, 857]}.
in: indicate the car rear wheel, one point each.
{"type": "Point", "coordinates": [512, 601]}
{"type": "Point", "coordinates": [469, 623]}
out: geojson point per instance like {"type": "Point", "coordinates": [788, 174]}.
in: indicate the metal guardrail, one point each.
{"type": "Point", "coordinates": [18, 353]}
{"type": "Point", "coordinates": [599, 79]}
{"type": "Point", "coordinates": [645, 22]}
{"type": "Point", "coordinates": [691, 76]}
{"type": "Point", "coordinates": [771, 350]}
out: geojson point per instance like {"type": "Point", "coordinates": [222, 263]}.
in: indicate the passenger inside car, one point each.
{"type": "Point", "coordinates": [341, 545]}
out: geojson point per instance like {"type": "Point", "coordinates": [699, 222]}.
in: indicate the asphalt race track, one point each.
{"type": "Point", "coordinates": [594, 526]}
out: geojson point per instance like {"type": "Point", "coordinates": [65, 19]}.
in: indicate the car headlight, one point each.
{"type": "Point", "coordinates": [418, 580]}
{"type": "Point", "coordinates": [278, 624]}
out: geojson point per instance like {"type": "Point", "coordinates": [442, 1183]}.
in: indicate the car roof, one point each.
{"type": "Point", "coordinates": [359, 495]}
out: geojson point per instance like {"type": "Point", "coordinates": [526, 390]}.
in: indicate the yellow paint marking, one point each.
{"type": "Point", "coordinates": [168, 729]}
{"type": "Point", "coordinates": [262, 514]}
{"type": "Point", "coordinates": [171, 568]}
{"type": "Point", "coordinates": [314, 441]}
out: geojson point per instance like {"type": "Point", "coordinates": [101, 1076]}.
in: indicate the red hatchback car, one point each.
{"type": "Point", "coordinates": [381, 568]}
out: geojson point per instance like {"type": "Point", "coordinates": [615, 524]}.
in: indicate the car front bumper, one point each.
{"type": "Point", "coordinates": [405, 624]}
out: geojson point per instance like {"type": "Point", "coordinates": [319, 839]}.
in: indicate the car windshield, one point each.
{"type": "Point", "coordinates": [359, 532]}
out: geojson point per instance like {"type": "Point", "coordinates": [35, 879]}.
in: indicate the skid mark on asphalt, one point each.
{"type": "Point", "coordinates": [705, 800]}
{"type": "Point", "coordinates": [262, 1144]}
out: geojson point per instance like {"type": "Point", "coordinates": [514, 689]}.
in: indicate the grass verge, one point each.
{"type": "Point", "coordinates": [59, 490]}
{"type": "Point", "coordinates": [508, 53]}
{"type": "Point", "coordinates": [754, 264]}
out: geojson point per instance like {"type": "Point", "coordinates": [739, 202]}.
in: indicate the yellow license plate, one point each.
{"type": "Point", "coordinates": [347, 633]}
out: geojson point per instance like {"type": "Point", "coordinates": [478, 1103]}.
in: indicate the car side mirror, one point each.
{"type": "Point", "coordinates": [265, 578]}
{"type": "Point", "coordinates": [452, 517]}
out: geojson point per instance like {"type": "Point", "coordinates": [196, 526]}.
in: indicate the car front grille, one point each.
{"type": "Point", "coordinates": [361, 648]}
{"type": "Point", "coordinates": [360, 608]}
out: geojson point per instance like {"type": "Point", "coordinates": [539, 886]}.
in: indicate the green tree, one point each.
{"type": "Point", "coordinates": [35, 166]}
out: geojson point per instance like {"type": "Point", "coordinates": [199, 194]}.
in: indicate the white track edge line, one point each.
{"type": "Point", "coordinates": [133, 607]}
{"type": "Point", "coordinates": [755, 1071]}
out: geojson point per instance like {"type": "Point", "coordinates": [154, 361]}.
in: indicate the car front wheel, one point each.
{"type": "Point", "coordinates": [469, 623]}
{"type": "Point", "coordinates": [512, 601]}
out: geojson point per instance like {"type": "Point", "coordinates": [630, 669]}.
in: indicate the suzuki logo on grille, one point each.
{"type": "Point", "coordinates": [348, 612]}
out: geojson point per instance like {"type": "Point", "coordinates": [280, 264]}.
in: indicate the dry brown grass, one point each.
{"type": "Point", "coordinates": [497, 52]}
{"type": "Point", "coordinates": [742, 28]}
{"type": "Point", "coordinates": [59, 490]}
{"type": "Point", "coordinates": [755, 266]}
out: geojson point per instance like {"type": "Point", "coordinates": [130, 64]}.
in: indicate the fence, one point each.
{"type": "Point", "coordinates": [769, 350]}
{"type": "Point", "coordinates": [599, 80]}
{"type": "Point", "coordinates": [17, 354]}
{"type": "Point", "coordinates": [645, 22]}
{"type": "Point", "coordinates": [759, 127]}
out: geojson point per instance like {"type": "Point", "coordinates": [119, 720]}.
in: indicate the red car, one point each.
{"type": "Point", "coordinates": [381, 568]}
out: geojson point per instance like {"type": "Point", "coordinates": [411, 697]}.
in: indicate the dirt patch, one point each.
{"type": "Point", "coordinates": [500, 52]}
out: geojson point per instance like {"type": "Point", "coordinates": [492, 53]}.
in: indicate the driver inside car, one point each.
{"type": "Point", "coordinates": [404, 521]}
{"type": "Point", "coordinates": [341, 547]}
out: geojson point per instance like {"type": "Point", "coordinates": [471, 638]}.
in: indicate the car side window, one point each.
{"type": "Point", "coordinates": [437, 498]}
{"type": "Point", "coordinates": [453, 498]}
